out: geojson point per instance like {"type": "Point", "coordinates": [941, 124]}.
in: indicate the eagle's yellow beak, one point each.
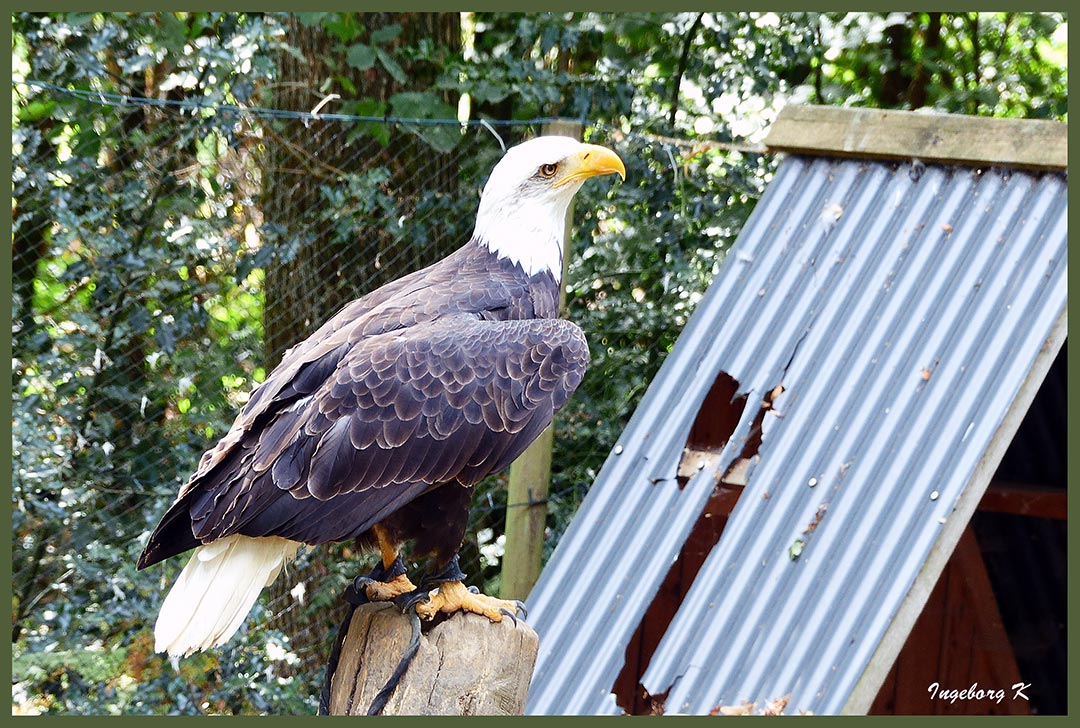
{"type": "Point", "coordinates": [591, 160]}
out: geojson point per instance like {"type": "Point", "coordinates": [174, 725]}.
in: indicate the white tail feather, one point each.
{"type": "Point", "coordinates": [216, 590]}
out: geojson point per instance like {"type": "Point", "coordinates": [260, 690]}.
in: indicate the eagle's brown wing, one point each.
{"type": "Point", "coordinates": [394, 414]}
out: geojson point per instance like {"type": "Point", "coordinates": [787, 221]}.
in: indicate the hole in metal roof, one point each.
{"type": "Point", "coordinates": [715, 424]}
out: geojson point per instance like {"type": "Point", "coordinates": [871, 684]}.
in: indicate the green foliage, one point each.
{"type": "Point", "coordinates": [142, 240]}
{"type": "Point", "coordinates": [128, 231]}
{"type": "Point", "coordinates": [992, 64]}
{"type": "Point", "coordinates": [424, 105]}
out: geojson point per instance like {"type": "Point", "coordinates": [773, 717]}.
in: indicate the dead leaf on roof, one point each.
{"type": "Point", "coordinates": [817, 519]}
{"type": "Point", "coordinates": [744, 709]}
{"type": "Point", "coordinates": [776, 707]}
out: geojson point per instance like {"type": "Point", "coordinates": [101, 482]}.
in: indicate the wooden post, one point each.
{"type": "Point", "coordinates": [465, 665]}
{"type": "Point", "coordinates": [530, 474]}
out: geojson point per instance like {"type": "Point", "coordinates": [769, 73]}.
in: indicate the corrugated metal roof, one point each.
{"type": "Point", "coordinates": [903, 309]}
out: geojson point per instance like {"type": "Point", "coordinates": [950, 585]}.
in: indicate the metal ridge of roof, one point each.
{"type": "Point", "coordinates": [905, 308]}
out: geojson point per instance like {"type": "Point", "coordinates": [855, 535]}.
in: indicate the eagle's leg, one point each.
{"type": "Point", "coordinates": [389, 582]}
{"type": "Point", "coordinates": [452, 596]}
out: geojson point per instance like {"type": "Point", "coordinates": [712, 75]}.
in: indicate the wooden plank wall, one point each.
{"type": "Point", "coordinates": [958, 641]}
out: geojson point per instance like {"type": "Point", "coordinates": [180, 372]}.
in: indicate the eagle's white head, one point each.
{"type": "Point", "coordinates": [522, 215]}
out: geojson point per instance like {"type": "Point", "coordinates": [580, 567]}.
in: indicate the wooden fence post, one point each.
{"type": "Point", "coordinates": [465, 665]}
{"type": "Point", "coordinates": [530, 474]}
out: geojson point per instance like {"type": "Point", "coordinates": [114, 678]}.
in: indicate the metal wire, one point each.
{"type": "Point", "coordinates": [159, 318]}
{"type": "Point", "coordinates": [107, 98]}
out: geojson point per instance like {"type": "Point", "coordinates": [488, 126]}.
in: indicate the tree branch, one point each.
{"type": "Point", "coordinates": [819, 71]}
{"type": "Point", "coordinates": [973, 24]}
{"type": "Point", "coordinates": [681, 68]}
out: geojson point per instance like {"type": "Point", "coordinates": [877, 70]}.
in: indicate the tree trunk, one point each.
{"type": "Point", "coordinates": [465, 665]}
{"type": "Point", "coordinates": [918, 92]}
{"type": "Point", "coordinates": [895, 80]}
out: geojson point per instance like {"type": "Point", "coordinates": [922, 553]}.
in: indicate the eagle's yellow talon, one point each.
{"type": "Point", "coordinates": [452, 596]}
{"type": "Point", "coordinates": [388, 591]}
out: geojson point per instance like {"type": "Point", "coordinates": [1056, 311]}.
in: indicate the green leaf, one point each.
{"type": "Point", "coordinates": [173, 33]}
{"type": "Point", "coordinates": [294, 52]}
{"type": "Point", "coordinates": [86, 143]}
{"type": "Point", "coordinates": [79, 19]}
{"type": "Point", "coordinates": [421, 105]}
{"type": "Point", "coordinates": [385, 34]}
{"type": "Point", "coordinates": [342, 27]}
{"type": "Point", "coordinates": [391, 66]}
{"type": "Point", "coordinates": [346, 84]}
{"type": "Point", "coordinates": [483, 91]}
{"type": "Point", "coordinates": [368, 107]}
{"type": "Point", "coordinates": [206, 149]}
{"type": "Point", "coordinates": [310, 19]}
{"type": "Point", "coordinates": [139, 320]}
{"type": "Point", "coordinates": [360, 56]}
{"type": "Point", "coordinates": [36, 110]}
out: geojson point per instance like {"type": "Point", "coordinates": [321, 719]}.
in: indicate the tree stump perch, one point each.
{"type": "Point", "coordinates": [465, 665]}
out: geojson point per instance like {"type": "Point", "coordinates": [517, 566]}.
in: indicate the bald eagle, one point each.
{"type": "Point", "coordinates": [378, 425]}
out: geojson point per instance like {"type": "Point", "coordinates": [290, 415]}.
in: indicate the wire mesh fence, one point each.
{"type": "Point", "coordinates": [165, 255]}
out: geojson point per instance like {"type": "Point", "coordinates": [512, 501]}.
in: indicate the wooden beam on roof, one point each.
{"type": "Point", "coordinates": [929, 137]}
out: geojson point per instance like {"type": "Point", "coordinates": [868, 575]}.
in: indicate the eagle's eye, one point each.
{"type": "Point", "coordinates": [549, 170]}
